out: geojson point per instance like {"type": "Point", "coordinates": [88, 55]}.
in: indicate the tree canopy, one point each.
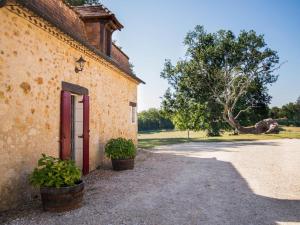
{"type": "Point", "coordinates": [224, 75]}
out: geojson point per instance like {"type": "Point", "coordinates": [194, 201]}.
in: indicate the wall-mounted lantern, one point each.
{"type": "Point", "coordinates": [80, 64]}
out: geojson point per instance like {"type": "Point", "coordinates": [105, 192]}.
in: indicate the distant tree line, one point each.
{"type": "Point", "coordinates": [153, 119]}
{"type": "Point", "coordinates": [288, 114]}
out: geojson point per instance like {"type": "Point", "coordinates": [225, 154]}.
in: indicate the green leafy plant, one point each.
{"type": "Point", "coordinates": [120, 148]}
{"type": "Point", "coordinates": [54, 172]}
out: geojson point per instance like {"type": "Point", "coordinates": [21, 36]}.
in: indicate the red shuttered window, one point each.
{"type": "Point", "coordinates": [86, 133]}
{"type": "Point", "coordinates": [65, 126]}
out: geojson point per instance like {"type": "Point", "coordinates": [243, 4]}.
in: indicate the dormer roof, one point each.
{"type": "Point", "coordinates": [98, 12]}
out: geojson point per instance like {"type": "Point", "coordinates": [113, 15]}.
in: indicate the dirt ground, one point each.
{"type": "Point", "coordinates": [232, 183]}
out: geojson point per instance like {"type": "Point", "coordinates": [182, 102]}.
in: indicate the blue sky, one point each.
{"type": "Point", "coordinates": [154, 31]}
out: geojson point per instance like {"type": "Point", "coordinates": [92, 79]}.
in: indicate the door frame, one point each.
{"type": "Point", "coordinates": [74, 88]}
{"type": "Point", "coordinates": [78, 90]}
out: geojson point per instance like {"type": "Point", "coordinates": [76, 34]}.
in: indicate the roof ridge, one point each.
{"type": "Point", "coordinates": [104, 8]}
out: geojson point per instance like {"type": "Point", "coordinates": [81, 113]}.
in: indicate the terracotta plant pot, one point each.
{"type": "Point", "coordinates": [122, 164]}
{"type": "Point", "coordinates": [62, 199]}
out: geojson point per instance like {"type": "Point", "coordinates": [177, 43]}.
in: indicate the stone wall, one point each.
{"type": "Point", "coordinates": [33, 63]}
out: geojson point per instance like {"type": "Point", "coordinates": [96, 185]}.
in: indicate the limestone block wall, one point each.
{"type": "Point", "coordinates": [33, 63]}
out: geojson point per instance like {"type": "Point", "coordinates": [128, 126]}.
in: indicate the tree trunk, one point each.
{"type": "Point", "coordinates": [266, 126]}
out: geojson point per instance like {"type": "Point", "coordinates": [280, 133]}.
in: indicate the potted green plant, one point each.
{"type": "Point", "coordinates": [121, 152]}
{"type": "Point", "coordinates": [60, 184]}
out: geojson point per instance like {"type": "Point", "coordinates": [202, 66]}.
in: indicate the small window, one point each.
{"type": "Point", "coordinates": [133, 116]}
{"type": "Point", "coordinates": [133, 112]}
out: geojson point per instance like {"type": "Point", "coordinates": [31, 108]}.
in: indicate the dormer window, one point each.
{"type": "Point", "coordinates": [100, 24]}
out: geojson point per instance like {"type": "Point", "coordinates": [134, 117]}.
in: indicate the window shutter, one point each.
{"type": "Point", "coordinates": [86, 133]}
{"type": "Point", "coordinates": [65, 126]}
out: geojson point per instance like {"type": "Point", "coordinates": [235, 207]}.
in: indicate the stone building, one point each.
{"type": "Point", "coordinates": [65, 89]}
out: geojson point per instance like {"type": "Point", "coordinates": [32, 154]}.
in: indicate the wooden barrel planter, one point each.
{"type": "Point", "coordinates": [62, 199]}
{"type": "Point", "coordinates": [122, 164]}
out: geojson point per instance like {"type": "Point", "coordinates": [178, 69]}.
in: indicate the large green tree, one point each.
{"type": "Point", "coordinates": [226, 74]}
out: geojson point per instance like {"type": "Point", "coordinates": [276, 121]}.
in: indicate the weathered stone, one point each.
{"type": "Point", "coordinates": [30, 128]}
{"type": "Point", "coordinates": [26, 87]}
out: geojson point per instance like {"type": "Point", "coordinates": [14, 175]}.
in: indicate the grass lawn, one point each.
{"type": "Point", "coordinates": [155, 138]}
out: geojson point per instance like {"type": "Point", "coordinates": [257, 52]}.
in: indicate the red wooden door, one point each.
{"type": "Point", "coordinates": [86, 133]}
{"type": "Point", "coordinates": [65, 126]}
{"type": "Point", "coordinates": [65, 129]}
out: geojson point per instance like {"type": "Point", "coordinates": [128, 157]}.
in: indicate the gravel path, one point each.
{"type": "Point", "coordinates": [196, 183]}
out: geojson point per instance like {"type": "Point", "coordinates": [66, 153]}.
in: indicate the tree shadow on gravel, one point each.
{"type": "Point", "coordinates": [237, 204]}
{"type": "Point", "coordinates": [170, 189]}
{"type": "Point", "coordinates": [223, 196]}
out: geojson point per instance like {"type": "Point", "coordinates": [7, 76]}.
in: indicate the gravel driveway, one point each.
{"type": "Point", "coordinates": [196, 183]}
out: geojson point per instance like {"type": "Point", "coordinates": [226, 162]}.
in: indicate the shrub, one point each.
{"type": "Point", "coordinates": [53, 172]}
{"type": "Point", "coordinates": [120, 148]}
